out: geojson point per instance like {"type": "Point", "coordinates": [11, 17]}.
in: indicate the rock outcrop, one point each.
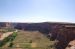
{"type": "Point", "coordinates": [71, 45]}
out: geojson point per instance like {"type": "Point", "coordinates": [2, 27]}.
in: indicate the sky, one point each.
{"type": "Point", "coordinates": [37, 11]}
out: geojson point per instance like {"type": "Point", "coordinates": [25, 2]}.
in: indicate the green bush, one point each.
{"type": "Point", "coordinates": [10, 44]}
{"type": "Point", "coordinates": [30, 41]}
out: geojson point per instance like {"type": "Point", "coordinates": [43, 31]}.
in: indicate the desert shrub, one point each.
{"type": "Point", "coordinates": [14, 34]}
{"type": "Point", "coordinates": [10, 44]}
{"type": "Point", "coordinates": [30, 41]}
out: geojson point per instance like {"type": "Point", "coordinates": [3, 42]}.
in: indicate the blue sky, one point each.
{"type": "Point", "coordinates": [37, 11]}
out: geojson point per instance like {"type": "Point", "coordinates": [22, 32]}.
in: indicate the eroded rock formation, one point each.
{"type": "Point", "coordinates": [71, 45]}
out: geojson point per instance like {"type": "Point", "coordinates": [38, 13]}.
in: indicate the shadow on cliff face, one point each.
{"type": "Point", "coordinates": [63, 41]}
{"type": "Point", "coordinates": [64, 36]}
{"type": "Point", "coordinates": [42, 27]}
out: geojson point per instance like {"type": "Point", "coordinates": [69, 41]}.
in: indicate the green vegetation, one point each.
{"type": "Point", "coordinates": [12, 37]}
